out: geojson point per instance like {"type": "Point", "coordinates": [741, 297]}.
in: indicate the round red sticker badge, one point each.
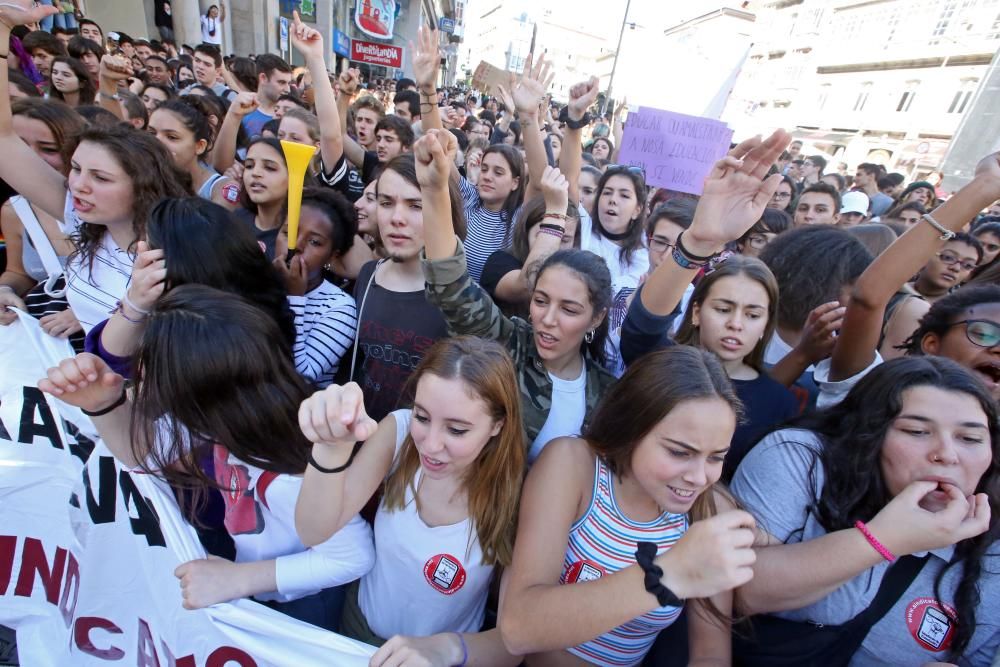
{"type": "Point", "coordinates": [444, 573]}
{"type": "Point", "coordinates": [583, 570]}
{"type": "Point", "coordinates": [231, 192]}
{"type": "Point", "coordinates": [932, 627]}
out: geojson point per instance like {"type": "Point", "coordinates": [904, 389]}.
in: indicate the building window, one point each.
{"type": "Point", "coordinates": [824, 95]}
{"type": "Point", "coordinates": [862, 99]}
{"type": "Point", "coordinates": [963, 96]}
{"type": "Point", "coordinates": [905, 100]}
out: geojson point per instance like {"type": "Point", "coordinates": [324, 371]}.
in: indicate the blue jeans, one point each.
{"type": "Point", "coordinates": [62, 20]}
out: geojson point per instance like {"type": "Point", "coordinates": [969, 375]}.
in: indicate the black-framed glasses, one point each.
{"type": "Point", "coordinates": [983, 333]}
{"type": "Point", "coordinates": [657, 244]}
{"type": "Point", "coordinates": [950, 258]}
{"type": "Point", "coordinates": [781, 195]}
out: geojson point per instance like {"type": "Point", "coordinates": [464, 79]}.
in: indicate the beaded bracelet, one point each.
{"type": "Point", "coordinates": [552, 232]}
{"type": "Point", "coordinates": [684, 261]}
{"type": "Point", "coordinates": [556, 216]}
{"type": "Point", "coordinates": [878, 546]}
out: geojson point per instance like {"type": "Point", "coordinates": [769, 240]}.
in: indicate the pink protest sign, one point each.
{"type": "Point", "coordinates": [676, 150]}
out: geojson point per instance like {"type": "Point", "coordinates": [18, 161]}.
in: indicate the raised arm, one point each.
{"type": "Point", "coordinates": [335, 421]}
{"type": "Point", "coordinates": [426, 63]}
{"type": "Point", "coordinates": [858, 340]}
{"type": "Point", "coordinates": [20, 166]}
{"type": "Point", "coordinates": [733, 199]}
{"type": "Point", "coordinates": [309, 42]}
{"type": "Point", "coordinates": [350, 83]}
{"type": "Point", "coordinates": [516, 286]}
{"type": "Point", "coordinates": [224, 151]}
{"type": "Point", "coordinates": [581, 97]}
{"type": "Point", "coordinates": [528, 93]}
{"type": "Point", "coordinates": [114, 70]}
{"type": "Point", "coordinates": [618, 129]}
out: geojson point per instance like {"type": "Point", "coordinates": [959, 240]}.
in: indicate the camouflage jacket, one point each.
{"type": "Point", "coordinates": [468, 310]}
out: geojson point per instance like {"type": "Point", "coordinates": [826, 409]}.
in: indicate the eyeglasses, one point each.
{"type": "Point", "coordinates": [983, 333]}
{"type": "Point", "coordinates": [951, 258]}
{"type": "Point", "coordinates": [657, 244]}
{"type": "Point", "coordinates": [781, 195]}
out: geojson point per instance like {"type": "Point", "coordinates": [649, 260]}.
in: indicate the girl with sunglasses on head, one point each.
{"type": "Point", "coordinates": [556, 352]}
{"type": "Point", "coordinates": [855, 352]}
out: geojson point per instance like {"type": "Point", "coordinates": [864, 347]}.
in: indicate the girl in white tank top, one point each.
{"type": "Point", "coordinates": [452, 468]}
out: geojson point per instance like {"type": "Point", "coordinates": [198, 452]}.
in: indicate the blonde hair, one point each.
{"type": "Point", "coordinates": [493, 481]}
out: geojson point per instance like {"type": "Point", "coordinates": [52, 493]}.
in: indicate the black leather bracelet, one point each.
{"type": "Point", "coordinates": [114, 406]}
{"type": "Point", "coordinates": [645, 552]}
{"type": "Point", "coordinates": [691, 255]}
{"type": "Point", "coordinates": [330, 471]}
{"type": "Point", "coordinates": [574, 124]}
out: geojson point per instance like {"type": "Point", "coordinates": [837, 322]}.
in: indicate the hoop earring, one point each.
{"type": "Point", "coordinates": [589, 336]}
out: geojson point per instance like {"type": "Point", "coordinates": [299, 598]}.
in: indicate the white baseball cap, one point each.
{"type": "Point", "coordinates": [854, 202]}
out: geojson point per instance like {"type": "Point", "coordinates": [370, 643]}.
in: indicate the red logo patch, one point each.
{"type": "Point", "coordinates": [932, 627]}
{"type": "Point", "coordinates": [583, 570]}
{"type": "Point", "coordinates": [444, 573]}
{"type": "Point", "coordinates": [243, 516]}
{"type": "Point", "coordinates": [231, 192]}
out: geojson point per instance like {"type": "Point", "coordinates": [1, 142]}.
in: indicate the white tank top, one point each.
{"type": "Point", "coordinates": [426, 580]}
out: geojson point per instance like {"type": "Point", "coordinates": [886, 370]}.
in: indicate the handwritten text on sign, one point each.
{"type": "Point", "coordinates": [676, 150]}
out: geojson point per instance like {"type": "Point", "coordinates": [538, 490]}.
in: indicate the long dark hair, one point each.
{"type": "Point", "coordinates": [193, 120]}
{"type": "Point", "coordinates": [853, 433]}
{"type": "Point", "coordinates": [209, 371]}
{"type": "Point", "coordinates": [88, 91]}
{"type": "Point", "coordinates": [749, 268]}
{"type": "Point", "coordinates": [516, 165]}
{"type": "Point", "coordinates": [152, 172]}
{"type": "Point", "coordinates": [634, 232]}
{"type": "Point", "coordinates": [225, 256]}
{"type": "Point", "coordinates": [593, 271]}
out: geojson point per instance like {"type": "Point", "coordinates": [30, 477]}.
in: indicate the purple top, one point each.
{"type": "Point", "coordinates": [120, 365]}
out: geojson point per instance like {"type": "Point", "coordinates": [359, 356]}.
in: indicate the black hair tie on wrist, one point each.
{"type": "Point", "coordinates": [330, 471]}
{"type": "Point", "coordinates": [690, 255]}
{"type": "Point", "coordinates": [645, 552]}
{"type": "Point", "coordinates": [114, 406]}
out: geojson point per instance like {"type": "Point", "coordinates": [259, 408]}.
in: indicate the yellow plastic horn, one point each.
{"type": "Point", "coordinates": [297, 157]}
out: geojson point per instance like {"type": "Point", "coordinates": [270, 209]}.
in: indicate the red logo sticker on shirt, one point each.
{"type": "Point", "coordinates": [932, 627]}
{"type": "Point", "coordinates": [231, 192]}
{"type": "Point", "coordinates": [243, 516]}
{"type": "Point", "coordinates": [445, 573]}
{"type": "Point", "coordinates": [583, 570]}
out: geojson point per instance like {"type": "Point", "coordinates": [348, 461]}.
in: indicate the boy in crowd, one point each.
{"type": "Point", "coordinates": [274, 79]}
{"type": "Point", "coordinates": [818, 205]}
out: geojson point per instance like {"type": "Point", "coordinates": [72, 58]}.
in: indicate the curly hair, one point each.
{"type": "Point", "coordinates": [853, 433]}
{"type": "Point", "coordinates": [149, 166]}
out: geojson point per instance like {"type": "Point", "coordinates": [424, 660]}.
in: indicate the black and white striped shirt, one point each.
{"type": "Point", "coordinates": [325, 322]}
{"type": "Point", "coordinates": [488, 230]}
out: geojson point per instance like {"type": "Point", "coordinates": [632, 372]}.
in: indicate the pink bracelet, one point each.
{"type": "Point", "coordinates": [876, 545]}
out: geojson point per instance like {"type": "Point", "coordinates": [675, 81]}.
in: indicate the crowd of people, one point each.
{"type": "Point", "coordinates": [509, 403]}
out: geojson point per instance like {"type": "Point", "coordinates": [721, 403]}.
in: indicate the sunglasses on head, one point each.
{"type": "Point", "coordinates": [639, 171]}
{"type": "Point", "coordinates": [983, 333]}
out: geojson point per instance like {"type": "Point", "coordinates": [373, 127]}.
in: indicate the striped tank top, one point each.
{"type": "Point", "coordinates": [603, 541]}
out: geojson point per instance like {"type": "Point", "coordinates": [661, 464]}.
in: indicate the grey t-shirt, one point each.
{"type": "Point", "coordinates": [776, 482]}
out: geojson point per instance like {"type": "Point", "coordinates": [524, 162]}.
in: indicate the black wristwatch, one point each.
{"type": "Point", "coordinates": [645, 552]}
{"type": "Point", "coordinates": [573, 124]}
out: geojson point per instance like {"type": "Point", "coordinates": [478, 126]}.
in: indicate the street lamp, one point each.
{"type": "Point", "coordinates": [614, 64]}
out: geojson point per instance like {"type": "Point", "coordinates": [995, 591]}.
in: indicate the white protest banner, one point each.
{"type": "Point", "coordinates": [88, 550]}
{"type": "Point", "coordinates": [675, 150]}
{"type": "Point", "coordinates": [41, 456]}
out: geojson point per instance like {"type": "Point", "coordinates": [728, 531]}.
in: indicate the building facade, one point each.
{"type": "Point", "coordinates": [885, 81]}
{"type": "Point", "coordinates": [254, 26]}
